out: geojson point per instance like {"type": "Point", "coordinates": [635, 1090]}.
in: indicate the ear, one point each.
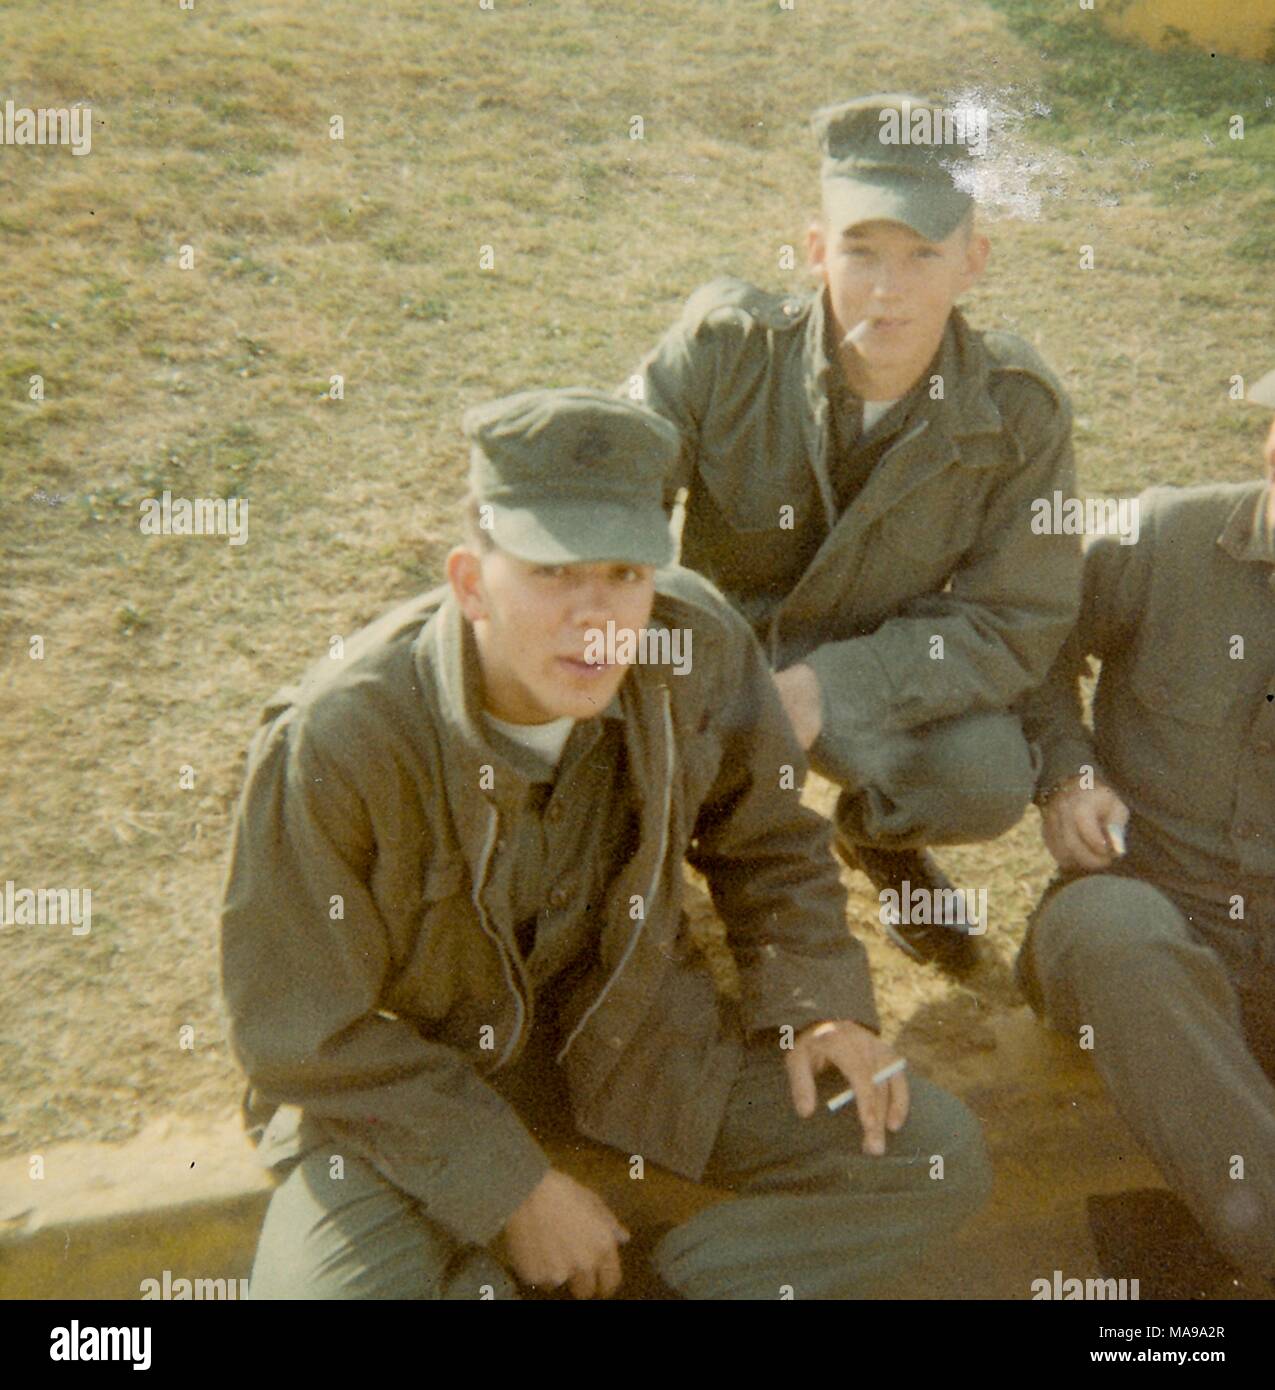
{"type": "Point", "coordinates": [465, 575]}
{"type": "Point", "coordinates": [817, 249]}
{"type": "Point", "coordinates": [976, 254]}
{"type": "Point", "coordinates": [1270, 450]}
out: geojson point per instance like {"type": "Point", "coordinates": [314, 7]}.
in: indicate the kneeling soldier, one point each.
{"type": "Point", "coordinates": [453, 927]}
{"type": "Point", "coordinates": [860, 467]}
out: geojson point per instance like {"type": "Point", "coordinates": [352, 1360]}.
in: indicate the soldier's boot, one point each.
{"type": "Point", "coordinates": [1149, 1235]}
{"type": "Point", "coordinates": [947, 943]}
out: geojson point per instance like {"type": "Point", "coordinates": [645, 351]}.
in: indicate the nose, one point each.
{"type": "Point", "coordinates": [888, 281]}
{"type": "Point", "coordinates": [591, 604]}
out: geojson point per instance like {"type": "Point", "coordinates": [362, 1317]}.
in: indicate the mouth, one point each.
{"type": "Point", "coordinates": [587, 670]}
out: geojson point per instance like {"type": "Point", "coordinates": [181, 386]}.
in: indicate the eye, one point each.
{"type": "Point", "coordinates": [550, 571]}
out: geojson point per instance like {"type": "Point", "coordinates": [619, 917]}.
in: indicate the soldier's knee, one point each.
{"type": "Point", "coordinates": [948, 1140]}
{"type": "Point", "coordinates": [990, 812]}
{"type": "Point", "coordinates": [984, 775]}
{"type": "Point", "coordinates": [352, 1237]}
{"type": "Point", "coordinates": [1104, 922]}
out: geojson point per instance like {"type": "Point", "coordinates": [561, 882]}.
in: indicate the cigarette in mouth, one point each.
{"type": "Point", "coordinates": [845, 1097]}
{"type": "Point", "coordinates": [855, 335]}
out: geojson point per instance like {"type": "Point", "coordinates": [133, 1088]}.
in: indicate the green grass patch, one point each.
{"type": "Point", "coordinates": [1097, 82]}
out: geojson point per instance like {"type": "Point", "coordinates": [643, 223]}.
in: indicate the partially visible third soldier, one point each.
{"type": "Point", "coordinates": [1159, 934]}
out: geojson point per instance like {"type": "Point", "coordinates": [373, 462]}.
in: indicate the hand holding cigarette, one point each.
{"type": "Point", "coordinates": [843, 1098]}
{"type": "Point", "coordinates": [878, 1086]}
{"type": "Point", "coordinates": [1084, 826]}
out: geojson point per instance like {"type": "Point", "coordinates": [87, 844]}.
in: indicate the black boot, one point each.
{"type": "Point", "coordinates": [948, 944]}
{"type": "Point", "coordinates": [1150, 1235]}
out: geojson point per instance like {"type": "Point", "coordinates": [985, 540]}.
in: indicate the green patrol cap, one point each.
{"type": "Point", "coordinates": [573, 476]}
{"type": "Point", "coordinates": [1263, 392]}
{"type": "Point", "coordinates": [899, 159]}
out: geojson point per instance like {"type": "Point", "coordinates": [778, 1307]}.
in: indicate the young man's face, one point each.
{"type": "Point", "coordinates": [903, 285]}
{"type": "Point", "coordinates": [532, 622]}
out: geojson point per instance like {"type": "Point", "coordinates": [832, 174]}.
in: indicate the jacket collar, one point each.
{"type": "Point", "coordinates": [1247, 534]}
{"type": "Point", "coordinates": [967, 407]}
{"type": "Point", "coordinates": [446, 664]}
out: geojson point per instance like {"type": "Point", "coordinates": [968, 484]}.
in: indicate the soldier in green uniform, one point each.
{"type": "Point", "coordinates": [452, 927]}
{"type": "Point", "coordinates": [1158, 935]}
{"type": "Point", "coordinates": [859, 466]}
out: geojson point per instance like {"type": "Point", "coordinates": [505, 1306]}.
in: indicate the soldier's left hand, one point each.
{"type": "Point", "coordinates": [799, 691]}
{"type": "Point", "coordinates": [858, 1054]}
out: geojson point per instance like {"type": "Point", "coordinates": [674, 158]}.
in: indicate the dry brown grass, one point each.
{"type": "Point", "coordinates": [361, 257]}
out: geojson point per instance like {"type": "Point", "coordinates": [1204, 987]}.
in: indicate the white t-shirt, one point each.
{"type": "Point", "coordinates": [874, 410]}
{"type": "Point", "coordinates": [545, 740]}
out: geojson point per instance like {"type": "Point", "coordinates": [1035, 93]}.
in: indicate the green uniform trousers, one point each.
{"type": "Point", "coordinates": [953, 782]}
{"type": "Point", "coordinates": [815, 1216]}
{"type": "Point", "coordinates": [1181, 1001]}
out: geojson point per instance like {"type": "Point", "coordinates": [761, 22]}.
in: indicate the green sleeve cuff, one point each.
{"type": "Point", "coordinates": [801, 990]}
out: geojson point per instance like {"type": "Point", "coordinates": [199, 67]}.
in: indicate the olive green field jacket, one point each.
{"type": "Point", "coordinates": [372, 977]}
{"type": "Point", "coordinates": [931, 596]}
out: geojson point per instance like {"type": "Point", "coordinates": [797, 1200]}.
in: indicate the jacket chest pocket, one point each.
{"type": "Point", "coordinates": [889, 549]}
{"type": "Point", "coordinates": [450, 959]}
{"type": "Point", "coordinates": [926, 535]}
{"type": "Point", "coordinates": [744, 529]}
{"type": "Point", "coordinates": [1205, 699]}
{"type": "Point", "coordinates": [1189, 742]}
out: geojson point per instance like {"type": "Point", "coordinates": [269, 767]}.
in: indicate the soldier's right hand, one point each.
{"type": "Point", "coordinates": [1074, 823]}
{"type": "Point", "coordinates": [564, 1233]}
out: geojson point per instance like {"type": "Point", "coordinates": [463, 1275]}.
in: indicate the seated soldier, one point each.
{"type": "Point", "coordinates": [452, 927]}
{"type": "Point", "coordinates": [1159, 933]}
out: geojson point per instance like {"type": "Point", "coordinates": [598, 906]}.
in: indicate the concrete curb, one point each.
{"type": "Point", "coordinates": [189, 1198]}
{"type": "Point", "coordinates": [104, 1217]}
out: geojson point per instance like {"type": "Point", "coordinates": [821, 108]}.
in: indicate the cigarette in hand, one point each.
{"type": "Point", "coordinates": [1115, 837]}
{"type": "Point", "coordinates": [855, 335]}
{"type": "Point", "coordinates": [845, 1097]}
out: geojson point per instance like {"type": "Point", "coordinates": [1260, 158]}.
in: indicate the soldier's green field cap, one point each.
{"type": "Point", "coordinates": [897, 158]}
{"type": "Point", "coordinates": [1263, 392]}
{"type": "Point", "coordinates": [573, 475]}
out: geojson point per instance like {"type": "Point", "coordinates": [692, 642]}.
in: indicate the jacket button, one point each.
{"type": "Point", "coordinates": [617, 1042]}
{"type": "Point", "coordinates": [558, 896]}
{"type": "Point", "coordinates": [555, 811]}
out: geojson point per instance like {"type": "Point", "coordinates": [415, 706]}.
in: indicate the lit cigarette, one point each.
{"type": "Point", "coordinates": [855, 335]}
{"type": "Point", "coordinates": [1115, 836]}
{"type": "Point", "coordinates": [884, 1074]}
